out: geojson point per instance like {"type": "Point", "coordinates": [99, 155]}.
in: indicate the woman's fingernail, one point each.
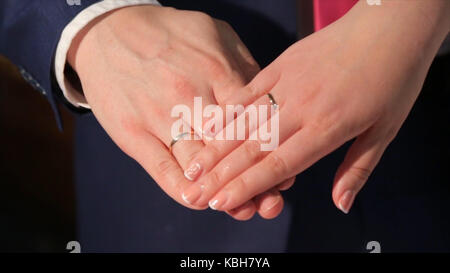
{"type": "Point", "coordinates": [346, 201]}
{"type": "Point", "coordinates": [212, 204]}
{"type": "Point", "coordinates": [183, 196]}
{"type": "Point", "coordinates": [193, 171]}
{"type": "Point", "coordinates": [192, 194]}
{"type": "Point", "coordinates": [266, 206]}
{"type": "Point", "coordinates": [218, 202]}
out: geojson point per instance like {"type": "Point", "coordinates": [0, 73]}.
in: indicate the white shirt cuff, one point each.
{"type": "Point", "coordinates": [71, 30]}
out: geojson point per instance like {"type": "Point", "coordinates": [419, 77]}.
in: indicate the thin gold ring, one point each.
{"type": "Point", "coordinates": [179, 137]}
{"type": "Point", "coordinates": [272, 101]}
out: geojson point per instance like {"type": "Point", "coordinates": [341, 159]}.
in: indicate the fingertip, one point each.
{"type": "Point", "coordinates": [270, 204]}
{"type": "Point", "coordinates": [343, 194]}
{"type": "Point", "coordinates": [244, 212]}
{"type": "Point", "coordinates": [346, 201]}
{"type": "Point", "coordinates": [189, 206]}
{"type": "Point", "coordinates": [193, 171]}
{"type": "Point", "coordinates": [274, 211]}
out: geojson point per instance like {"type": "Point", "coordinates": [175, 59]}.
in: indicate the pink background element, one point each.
{"type": "Point", "coordinates": [328, 11]}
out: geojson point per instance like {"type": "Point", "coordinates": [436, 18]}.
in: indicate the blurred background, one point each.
{"type": "Point", "coordinates": [36, 172]}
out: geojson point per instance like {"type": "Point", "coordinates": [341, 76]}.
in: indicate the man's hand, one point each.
{"type": "Point", "coordinates": [136, 63]}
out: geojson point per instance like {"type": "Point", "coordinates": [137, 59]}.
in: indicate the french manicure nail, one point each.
{"type": "Point", "coordinates": [183, 196]}
{"type": "Point", "coordinates": [346, 201]}
{"type": "Point", "coordinates": [193, 171]}
{"type": "Point", "coordinates": [266, 206]}
{"type": "Point", "coordinates": [212, 204]}
{"type": "Point", "coordinates": [218, 202]}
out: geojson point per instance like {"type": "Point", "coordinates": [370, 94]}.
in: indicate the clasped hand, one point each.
{"type": "Point", "coordinates": [135, 64]}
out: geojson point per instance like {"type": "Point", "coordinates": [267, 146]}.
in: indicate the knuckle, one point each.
{"type": "Point", "coordinates": [202, 17]}
{"type": "Point", "coordinates": [251, 89]}
{"type": "Point", "coordinates": [277, 165]}
{"type": "Point", "coordinates": [213, 180]}
{"type": "Point", "coordinates": [252, 151]}
{"type": "Point", "coordinates": [164, 167]}
{"type": "Point", "coordinates": [129, 126]}
{"type": "Point", "coordinates": [212, 152]}
{"type": "Point", "coordinates": [361, 173]}
{"type": "Point", "coordinates": [324, 122]}
{"type": "Point", "coordinates": [182, 87]}
{"type": "Point", "coordinates": [216, 67]}
{"type": "Point", "coordinates": [191, 156]}
{"type": "Point", "coordinates": [162, 53]}
{"type": "Point", "coordinates": [239, 185]}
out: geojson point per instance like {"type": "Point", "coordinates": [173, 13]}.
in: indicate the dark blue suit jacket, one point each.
{"type": "Point", "coordinates": [405, 205]}
{"type": "Point", "coordinates": [29, 34]}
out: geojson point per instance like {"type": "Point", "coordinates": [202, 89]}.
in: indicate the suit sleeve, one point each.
{"type": "Point", "coordinates": [29, 33]}
{"type": "Point", "coordinates": [70, 86]}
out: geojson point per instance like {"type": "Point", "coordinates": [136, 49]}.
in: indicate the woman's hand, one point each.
{"type": "Point", "coordinates": [358, 78]}
{"type": "Point", "coordinates": [135, 64]}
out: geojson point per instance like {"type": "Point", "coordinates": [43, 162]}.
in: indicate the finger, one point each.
{"type": "Point", "coordinates": [269, 204]}
{"type": "Point", "coordinates": [263, 83]}
{"type": "Point", "coordinates": [353, 173]}
{"type": "Point", "coordinates": [244, 63]}
{"type": "Point", "coordinates": [248, 69]}
{"type": "Point", "coordinates": [186, 149]}
{"type": "Point", "coordinates": [177, 125]}
{"type": "Point", "coordinates": [214, 118]}
{"type": "Point", "coordinates": [239, 160]}
{"type": "Point", "coordinates": [293, 156]}
{"type": "Point", "coordinates": [260, 85]}
{"type": "Point", "coordinates": [229, 82]}
{"type": "Point", "coordinates": [187, 144]}
{"type": "Point", "coordinates": [242, 55]}
{"type": "Point", "coordinates": [155, 158]}
{"type": "Point", "coordinates": [235, 133]}
{"type": "Point", "coordinates": [286, 184]}
{"type": "Point", "coordinates": [243, 212]}
{"type": "Point", "coordinates": [266, 204]}
{"type": "Point", "coordinates": [228, 86]}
